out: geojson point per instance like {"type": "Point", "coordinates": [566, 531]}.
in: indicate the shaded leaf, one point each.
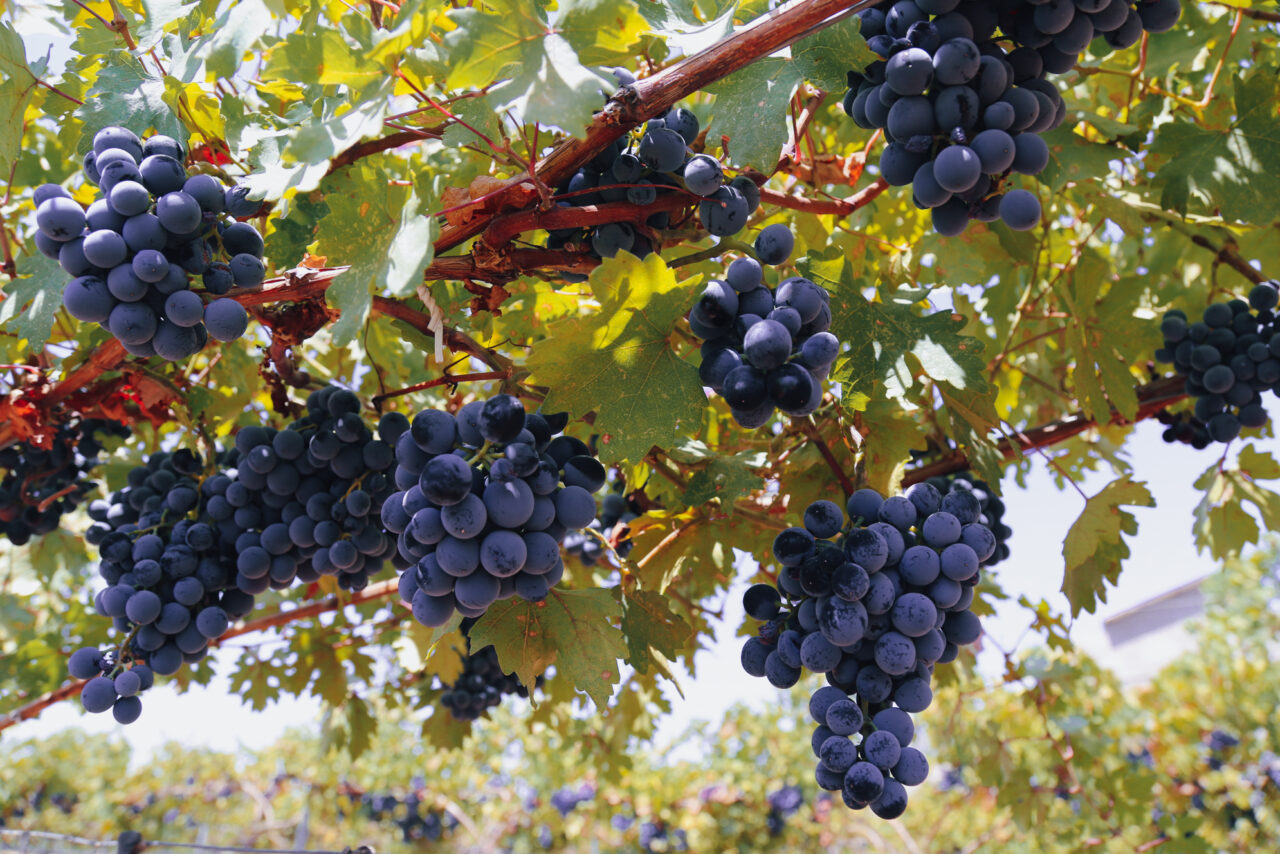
{"type": "Point", "coordinates": [649, 624]}
{"type": "Point", "coordinates": [529, 637]}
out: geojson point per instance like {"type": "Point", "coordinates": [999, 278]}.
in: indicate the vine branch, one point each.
{"type": "Point", "coordinates": [1151, 399]}
{"type": "Point", "coordinates": [282, 616]}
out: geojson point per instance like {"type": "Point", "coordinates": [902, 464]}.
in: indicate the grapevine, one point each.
{"type": "Point", "coordinates": [573, 312]}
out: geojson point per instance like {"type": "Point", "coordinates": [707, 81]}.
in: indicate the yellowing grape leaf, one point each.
{"type": "Point", "coordinates": [16, 88]}
{"type": "Point", "coordinates": [1095, 548]}
{"type": "Point", "coordinates": [891, 434]}
{"type": "Point", "coordinates": [622, 355]}
{"type": "Point", "coordinates": [1222, 524]}
{"type": "Point", "coordinates": [573, 629]}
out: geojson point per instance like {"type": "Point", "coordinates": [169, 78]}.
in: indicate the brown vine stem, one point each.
{"type": "Point", "coordinates": [376, 146]}
{"type": "Point", "coordinates": [1151, 399]}
{"type": "Point", "coordinates": [1256, 14]}
{"type": "Point", "coordinates": [281, 617]}
{"type": "Point", "coordinates": [1229, 256]}
{"type": "Point", "coordinates": [835, 207]}
{"type": "Point", "coordinates": [447, 379]}
{"type": "Point", "coordinates": [654, 95]}
{"type": "Point", "coordinates": [293, 287]}
{"type": "Point", "coordinates": [810, 429]}
{"type": "Point", "coordinates": [505, 228]}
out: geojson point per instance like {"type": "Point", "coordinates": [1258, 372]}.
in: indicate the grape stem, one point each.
{"type": "Point", "coordinates": [281, 617]}
{"type": "Point", "coordinates": [834, 207]}
{"type": "Point", "coordinates": [447, 379]}
{"type": "Point", "coordinates": [807, 426]}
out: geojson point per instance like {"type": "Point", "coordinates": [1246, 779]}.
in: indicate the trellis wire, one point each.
{"type": "Point", "coordinates": [49, 842]}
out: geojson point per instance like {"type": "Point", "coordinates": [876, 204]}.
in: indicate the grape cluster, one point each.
{"type": "Point", "coordinates": [307, 500]}
{"type": "Point", "coordinates": [1061, 30]}
{"type": "Point", "coordinates": [171, 577]}
{"type": "Point", "coordinates": [111, 684]}
{"type": "Point", "coordinates": [415, 820]}
{"type": "Point", "coordinates": [42, 481]}
{"type": "Point", "coordinates": [1185, 428]}
{"type": "Point", "coordinates": [874, 605]}
{"type": "Point", "coordinates": [486, 497]}
{"type": "Point", "coordinates": [638, 169]}
{"type": "Point", "coordinates": [133, 252]}
{"type": "Point", "coordinates": [783, 803]}
{"type": "Point", "coordinates": [960, 112]}
{"type": "Point", "coordinates": [566, 800]}
{"type": "Point", "coordinates": [1229, 358]}
{"type": "Point", "coordinates": [992, 515]}
{"type": "Point", "coordinates": [615, 512]}
{"type": "Point", "coordinates": [765, 348]}
{"type": "Point", "coordinates": [481, 685]}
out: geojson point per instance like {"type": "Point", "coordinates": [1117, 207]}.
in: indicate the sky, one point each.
{"type": "Point", "coordinates": [1163, 557]}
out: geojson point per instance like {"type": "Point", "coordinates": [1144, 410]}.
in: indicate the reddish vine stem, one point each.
{"type": "Point", "coordinates": [503, 229]}
{"type": "Point", "coordinates": [377, 146]}
{"type": "Point", "coordinates": [835, 207]}
{"type": "Point", "coordinates": [281, 617]}
{"type": "Point", "coordinates": [1151, 399]}
{"type": "Point", "coordinates": [1256, 14]}
{"type": "Point", "coordinates": [294, 287]}
{"type": "Point", "coordinates": [811, 431]}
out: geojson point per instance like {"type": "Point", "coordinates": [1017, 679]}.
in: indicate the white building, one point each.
{"type": "Point", "coordinates": [1149, 635]}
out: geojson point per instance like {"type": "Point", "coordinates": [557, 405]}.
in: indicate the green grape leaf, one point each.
{"type": "Point", "coordinates": [573, 629]}
{"type": "Point", "coordinates": [622, 355]}
{"type": "Point", "coordinates": [361, 725]}
{"type": "Point", "coordinates": [648, 623]}
{"type": "Point", "coordinates": [32, 299]}
{"type": "Point", "coordinates": [321, 55]}
{"type": "Point", "coordinates": [233, 34]}
{"type": "Point", "coordinates": [679, 26]}
{"type": "Point", "coordinates": [824, 58]}
{"type": "Point", "coordinates": [1095, 548]}
{"type": "Point", "coordinates": [544, 80]}
{"type": "Point", "coordinates": [1235, 170]}
{"type": "Point", "coordinates": [17, 85]}
{"type": "Point", "coordinates": [891, 434]}
{"type": "Point", "coordinates": [1074, 158]}
{"type": "Point", "coordinates": [884, 335]}
{"type": "Point", "coordinates": [157, 15]}
{"type": "Point", "coordinates": [445, 732]}
{"type": "Point", "coordinates": [125, 94]}
{"type": "Point", "coordinates": [751, 109]}
{"type": "Point", "coordinates": [726, 478]}
{"type": "Point", "coordinates": [382, 230]}
{"type": "Point", "coordinates": [59, 549]}
{"type": "Point", "coordinates": [1222, 524]}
